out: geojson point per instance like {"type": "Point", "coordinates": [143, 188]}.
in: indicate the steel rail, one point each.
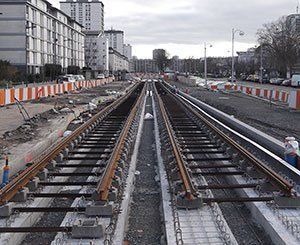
{"type": "Point", "coordinates": [274, 177]}
{"type": "Point", "coordinates": [188, 186]}
{"type": "Point", "coordinates": [106, 180]}
{"type": "Point", "coordinates": [20, 181]}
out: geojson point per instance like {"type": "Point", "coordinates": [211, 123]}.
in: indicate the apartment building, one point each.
{"type": "Point", "coordinates": [96, 51]}
{"type": "Point", "coordinates": [115, 40]}
{"type": "Point", "coordinates": [89, 13]}
{"type": "Point", "coordinates": [34, 33]}
{"type": "Point", "coordinates": [117, 61]}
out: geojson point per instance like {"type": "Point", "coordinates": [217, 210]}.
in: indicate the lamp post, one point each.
{"type": "Point", "coordinates": [205, 63]}
{"type": "Point", "coordinates": [241, 33]}
{"type": "Point", "coordinates": [261, 64]}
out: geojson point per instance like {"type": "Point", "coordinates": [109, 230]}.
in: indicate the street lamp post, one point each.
{"type": "Point", "coordinates": [261, 64]}
{"type": "Point", "coordinates": [241, 33]}
{"type": "Point", "coordinates": [205, 63]}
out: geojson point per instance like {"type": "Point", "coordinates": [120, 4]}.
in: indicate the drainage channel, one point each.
{"type": "Point", "coordinates": [145, 224]}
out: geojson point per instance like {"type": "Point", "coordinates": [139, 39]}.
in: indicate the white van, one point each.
{"type": "Point", "coordinates": [295, 81]}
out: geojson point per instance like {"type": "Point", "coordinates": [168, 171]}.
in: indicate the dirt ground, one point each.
{"type": "Point", "coordinates": [277, 121]}
{"type": "Point", "coordinates": [17, 127]}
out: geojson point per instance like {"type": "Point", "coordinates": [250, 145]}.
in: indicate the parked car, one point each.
{"type": "Point", "coordinates": [276, 81]}
{"type": "Point", "coordinates": [66, 79]}
{"type": "Point", "coordinates": [100, 76]}
{"type": "Point", "coordinates": [287, 82]}
{"type": "Point", "coordinates": [295, 80]}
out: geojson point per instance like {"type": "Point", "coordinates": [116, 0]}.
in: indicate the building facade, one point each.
{"type": "Point", "coordinates": [34, 33]}
{"type": "Point", "coordinates": [115, 40]}
{"type": "Point", "coordinates": [96, 51]}
{"type": "Point", "coordinates": [89, 13]}
{"type": "Point", "coordinates": [145, 65]}
{"type": "Point", "coordinates": [127, 51]}
{"type": "Point", "coordinates": [117, 61]}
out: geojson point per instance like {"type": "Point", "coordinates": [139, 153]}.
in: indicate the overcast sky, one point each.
{"type": "Point", "coordinates": [182, 26]}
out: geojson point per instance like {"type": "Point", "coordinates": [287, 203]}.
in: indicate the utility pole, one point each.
{"type": "Point", "coordinates": [261, 64]}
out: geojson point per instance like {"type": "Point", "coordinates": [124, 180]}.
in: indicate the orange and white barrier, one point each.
{"type": "Point", "coordinates": [9, 96]}
{"type": "Point", "coordinates": [294, 101]}
{"type": "Point", "coordinates": [275, 95]}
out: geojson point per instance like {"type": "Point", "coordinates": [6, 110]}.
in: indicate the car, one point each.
{"type": "Point", "coordinates": [287, 82]}
{"type": "Point", "coordinates": [276, 81]}
{"type": "Point", "coordinates": [66, 79]}
{"type": "Point", "coordinates": [100, 76]}
{"type": "Point", "coordinates": [295, 80]}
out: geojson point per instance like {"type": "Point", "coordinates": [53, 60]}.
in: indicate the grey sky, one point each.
{"type": "Point", "coordinates": [183, 26]}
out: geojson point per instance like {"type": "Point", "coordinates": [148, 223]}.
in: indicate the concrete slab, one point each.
{"type": "Point", "coordinates": [87, 229]}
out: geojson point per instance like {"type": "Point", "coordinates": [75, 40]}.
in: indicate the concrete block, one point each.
{"type": "Point", "coordinates": [100, 210]}
{"type": "Point", "coordinates": [6, 210]}
{"type": "Point", "coordinates": [87, 229]}
{"type": "Point", "coordinates": [287, 202]}
{"type": "Point", "coordinates": [33, 184]}
{"type": "Point", "coordinates": [113, 194]}
{"type": "Point", "coordinates": [51, 165]}
{"type": "Point", "coordinates": [59, 158]}
{"type": "Point", "coordinates": [21, 196]}
{"type": "Point", "coordinates": [182, 202]}
{"type": "Point", "coordinates": [43, 175]}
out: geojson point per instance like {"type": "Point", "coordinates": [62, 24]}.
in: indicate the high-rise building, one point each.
{"type": "Point", "coordinates": [96, 51]}
{"type": "Point", "coordinates": [158, 52]}
{"type": "Point", "coordinates": [34, 33]}
{"type": "Point", "coordinates": [127, 51]}
{"type": "Point", "coordinates": [89, 13]}
{"type": "Point", "coordinates": [115, 40]}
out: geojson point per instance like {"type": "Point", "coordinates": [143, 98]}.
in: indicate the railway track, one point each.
{"type": "Point", "coordinates": [91, 158]}
{"type": "Point", "coordinates": [204, 160]}
{"type": "Point", "coordinates": [209, 176]}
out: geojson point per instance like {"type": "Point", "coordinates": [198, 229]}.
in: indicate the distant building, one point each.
{"type": "Point", "coordinates": [115, 40]}
{"type": "Point", "coordinates": [145, 65]}
{"type": "Point", "coordinates": [158, 52]}
{"type": "Point", "coordinates": [96, 51]}
{"type": "Point", "coordinates": [127, 51]}
{"type": "Point", "coordinates": [247, 56]}
{"type": "Point", "coordinates": [34, 33]}
{"type": "Point", "coordinates": [117, 61]}
{"type": "Point", "coordinates": [184, 65]}
{"type": "Point", "coordinates": [90, 14]}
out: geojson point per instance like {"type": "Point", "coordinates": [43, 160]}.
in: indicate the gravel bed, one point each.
{"type": "Point", "coordinates": [145, 224]}
{"type": "Point", "coordinates": [276, 121]}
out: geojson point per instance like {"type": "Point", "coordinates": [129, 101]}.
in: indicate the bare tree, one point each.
{"type": "Point", "coordinates": [280, 41]}
{"type": "Point", "coordinates": [162, 61]}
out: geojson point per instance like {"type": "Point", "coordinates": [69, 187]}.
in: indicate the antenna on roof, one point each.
{"type": "Point", "coordinates": [297, 8]}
